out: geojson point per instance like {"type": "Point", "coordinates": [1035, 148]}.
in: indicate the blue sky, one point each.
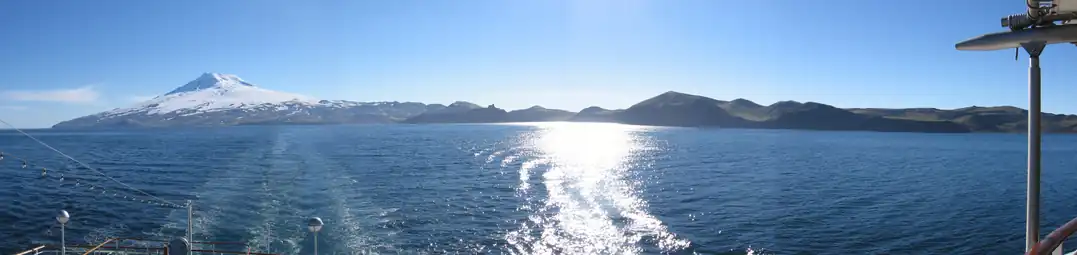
{"type": "Point", "coordinates": [68, 59]}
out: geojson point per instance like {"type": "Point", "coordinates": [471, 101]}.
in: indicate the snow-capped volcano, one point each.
{"type": "Point", "coordinates": [213, 92]}
{"type": "Point", "coordinates": [211, 80]}
{"type": "Point", "coordinates": [224, 99]}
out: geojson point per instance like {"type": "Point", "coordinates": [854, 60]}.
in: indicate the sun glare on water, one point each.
{"type": "Point", "coordinates": [592, 205]}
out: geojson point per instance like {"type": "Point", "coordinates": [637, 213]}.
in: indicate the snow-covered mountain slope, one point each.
{"type": "Point", "coordinates": [213, 92]}
{"type": "Point", "coordinates": [221, 99]}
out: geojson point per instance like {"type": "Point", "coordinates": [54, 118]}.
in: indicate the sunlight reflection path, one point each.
{"type": "Point", "coordinates": [593, 204]}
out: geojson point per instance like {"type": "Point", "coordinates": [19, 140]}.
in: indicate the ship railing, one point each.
{"type": "Point", "coordinates": [1052, 243]}
{"type": "Point", "coordinates": [213, 248]}
{"type": "Point", "coordinates": [115, 246]}
{"type": "Point", "coordinates": [84, 249]}
{"type": "Point", "coordinates": [31, 251]}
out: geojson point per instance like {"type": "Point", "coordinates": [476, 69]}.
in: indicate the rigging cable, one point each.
{"type": "Point", "coordinates": [84, 165]}
{"type": "Point", "coordinates": [79, 182]}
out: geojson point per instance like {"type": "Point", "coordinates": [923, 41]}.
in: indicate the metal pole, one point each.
{"type": "Point", "coordinates": [315, 243]}
{"type": "Point", "coordinates": [1032, 216]}
{"type": "Point", "coordinates": [190, 224]}
{"type": "Point", "coordinates": [63, 241]}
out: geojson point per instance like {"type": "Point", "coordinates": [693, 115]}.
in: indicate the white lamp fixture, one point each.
{"type": "Point", "coordinates": [63, 218]}
{"type": "Point", "coordinates": [314, 225]}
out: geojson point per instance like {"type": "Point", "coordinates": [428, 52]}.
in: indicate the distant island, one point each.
{"type": "Point", "coordinates": [225, 100]}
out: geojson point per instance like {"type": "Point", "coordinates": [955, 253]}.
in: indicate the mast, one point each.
{"type": "Point", "coordinates": [1032, 198]}
{"type": "Point", "coordinates": [1044, 22]}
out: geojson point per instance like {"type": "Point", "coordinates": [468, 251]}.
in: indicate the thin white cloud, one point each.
{"type": "Point", "coordinates": [140, 98]}
{"type": "Point", "coordinates": [85, 94]}
{"type": "Point", "coordinates": [12, 107]}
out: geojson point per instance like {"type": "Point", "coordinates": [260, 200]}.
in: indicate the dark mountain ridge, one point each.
{"type": "Point", "coordinates": [539, 114]}
{"type": "Point", "coordinates": [679, 109]}
{"type": "Point", "coordinates": [223, 100]}
{"type": "Point", "coordinates": [1007, 119]}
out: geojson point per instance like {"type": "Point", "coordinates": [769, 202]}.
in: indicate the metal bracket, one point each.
{"type": "Point", "coordinates": [1034, 48]}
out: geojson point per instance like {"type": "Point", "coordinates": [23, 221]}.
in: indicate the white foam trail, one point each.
{"type": "Point", "coordinates": [360, 241]}
{"type": "Point", "coordinates": [349, 228]}
{"type": "Point", "coordinates": [100, 235]}
{"type": "Point", "coordinates": [492, 156]}
{"type": "Point", "coordinates": [211, 206]}
{"type": "Point", "coordinates": [508, 160]}
{"type": "Point", "coordinates": [525, 174]}
{"type": "Point", "coordinates": [481, 151]}
{"type": "Point", "coordinates": [222, 191]}
{"type": "Point", "coordinates": [264, 235]}
{"type": "Point", "coordinates": [277, 231]}
{"type": "Point", "coordinates": [347, 206]}
{"type": "Point", "coordinates": [207, 209]}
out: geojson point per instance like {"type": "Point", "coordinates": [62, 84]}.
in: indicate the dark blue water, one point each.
{"type": "Point", "coordinates": [547, 189]}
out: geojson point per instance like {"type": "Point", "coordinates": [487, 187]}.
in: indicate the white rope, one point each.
{"type": "Point", "coordinates": [84, 165]}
